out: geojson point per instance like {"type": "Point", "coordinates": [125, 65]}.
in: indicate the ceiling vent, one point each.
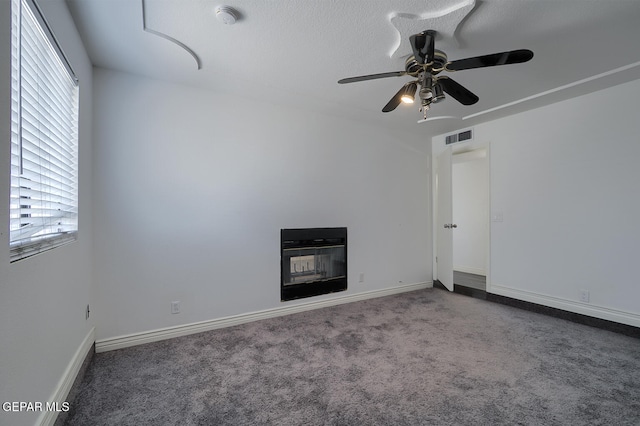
{"type": "Point", "coordinates": [227, 15]}
{"type": "Point", "coordinates": [463, 136]}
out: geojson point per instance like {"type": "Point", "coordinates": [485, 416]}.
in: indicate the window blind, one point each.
{"type": "Point", "coordinates": [44, 137]}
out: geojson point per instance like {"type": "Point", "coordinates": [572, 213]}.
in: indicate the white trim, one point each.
{"type": "Point", "coordinates": [487, 262]}
{"type": "Point", "coordinates": [469, 270]}
{"type": "Point", "coordinates": [441, 117]}
{"type": "Point", "coordinates": [568, 305]}
{"type": "Point", "coordinates": [199, 327]}
{"type": "Point", "coordinates": [48, 418]}
{"type": "Point", "coordinates": [168, 37]}
{"type": "Point", "coordinates": [555, 90]}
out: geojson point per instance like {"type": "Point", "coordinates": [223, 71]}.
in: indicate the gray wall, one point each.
{"type": "Point", "coordinates": [43, 298]}
{"type": "Point", "coordinates": [193, 187]}
{"type": "Point", "coordinates": [565, 177]}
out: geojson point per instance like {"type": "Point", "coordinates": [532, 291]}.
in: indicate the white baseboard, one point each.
{"type": "Point", "coordinates": [199, 327]}
{"type": "Point", "coordinates": [583, 308]}
{"type": "Point", "coordinates": [470, 270]}
{"type": "Point", "coordinates": [48, 418]}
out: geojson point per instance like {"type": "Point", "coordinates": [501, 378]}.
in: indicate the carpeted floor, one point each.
{"type": "Point", "coordinates": [427, 357]}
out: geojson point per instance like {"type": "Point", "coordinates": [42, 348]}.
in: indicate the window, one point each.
{"type": "Point", "coordinates": [44, 137]}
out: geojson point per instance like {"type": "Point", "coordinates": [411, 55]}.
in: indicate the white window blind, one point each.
{"type": "Point", "coordinates": [44, 137]}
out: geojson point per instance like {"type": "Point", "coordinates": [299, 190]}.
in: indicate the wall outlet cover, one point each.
{"type": "Point", "coordinates": [584, 296]}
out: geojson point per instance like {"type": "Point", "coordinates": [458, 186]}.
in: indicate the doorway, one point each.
{"type": "Point", "coordinates": [470, 216]}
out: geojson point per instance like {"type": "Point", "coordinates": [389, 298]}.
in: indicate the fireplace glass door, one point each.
{"type": "Point", "coordinates": [313, 262]}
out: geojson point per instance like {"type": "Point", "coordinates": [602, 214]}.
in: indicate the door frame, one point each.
{"type": "Point", "coordinates": [459, 148]}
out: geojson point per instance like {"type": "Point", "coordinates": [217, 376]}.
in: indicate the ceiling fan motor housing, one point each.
{"type": "Point", "coordinates": [413, 67]}
{"type": "Point", "coordinates": [439, 61]}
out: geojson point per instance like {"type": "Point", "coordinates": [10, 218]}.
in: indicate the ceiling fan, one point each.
{"type": "Point", "coordinates": [427, 62]}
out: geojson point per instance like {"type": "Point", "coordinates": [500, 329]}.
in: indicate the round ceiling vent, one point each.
{"type": "Point", "coordinates": [227, 15]}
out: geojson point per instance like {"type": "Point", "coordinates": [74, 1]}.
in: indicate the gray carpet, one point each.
{"type": "Point", "coordinates": [427, 357]}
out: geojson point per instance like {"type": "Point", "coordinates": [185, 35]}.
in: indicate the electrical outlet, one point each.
{"type": "Point", "coordinates": [584, 296]}
{"type": "Point", "coordinates": [175, 307]}
{"type": "Point", "coordinates": [361, 277]}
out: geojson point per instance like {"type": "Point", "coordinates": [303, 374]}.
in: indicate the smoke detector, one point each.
{"type": "Point", "coordinates": [227, 15]}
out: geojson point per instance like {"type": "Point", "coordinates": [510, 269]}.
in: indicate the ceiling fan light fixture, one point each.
{"type": "Point", "coordinates": [409, 93]}
{"type": "Point", "coordinates": [426, 94]}
{"type": "Point", "coordinates": [438, 93]}
{"type": "Point", "coordinates": [407, 98]}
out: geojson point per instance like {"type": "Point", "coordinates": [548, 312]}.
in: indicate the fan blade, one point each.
{"type": "Point", "coordinates": [502, 58]}
{"type": "Point", "coordinates": [395, 101]}
{"type": "Point", "coordinates": [457, 91]}
{"type": "Point", "coordinates": [372, 77]}
{"type": "Point", "coordinates": [423, 46]}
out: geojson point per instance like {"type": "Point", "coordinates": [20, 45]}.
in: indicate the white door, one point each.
{"type": "Point", "coordinates": [444, 208]}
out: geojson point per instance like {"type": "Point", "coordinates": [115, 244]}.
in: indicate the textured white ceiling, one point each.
{"type": "Point", "coordinates": [295, 51]}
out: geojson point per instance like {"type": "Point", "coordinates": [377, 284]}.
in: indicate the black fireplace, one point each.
{"type": "Point", "coordinates": [313, 261]}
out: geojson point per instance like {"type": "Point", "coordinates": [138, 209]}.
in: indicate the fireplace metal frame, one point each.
{"type": "Point", "coordinates": [310, 238]}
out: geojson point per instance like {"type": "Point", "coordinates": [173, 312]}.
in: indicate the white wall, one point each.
{"type": "Point", "coordinates": [43, 298]}
{"type": "Point", "coordinates": [565, 177]}
{"type": "Point", "coordinates": [470, 183]}
{"type": "Point", "coordinates": [192, 189]}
